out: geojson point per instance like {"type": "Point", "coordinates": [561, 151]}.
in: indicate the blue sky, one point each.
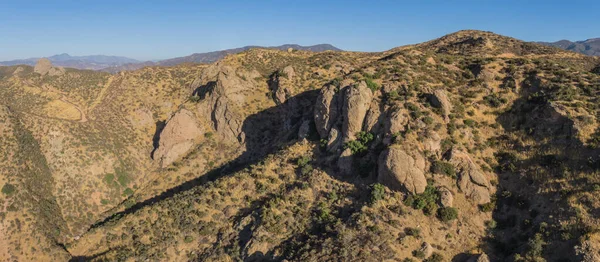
{"type": "Point", "coordinates": [162, 29]}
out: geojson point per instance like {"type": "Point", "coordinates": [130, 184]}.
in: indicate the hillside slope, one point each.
{"type": "Point", "coordinates": [469, 147]}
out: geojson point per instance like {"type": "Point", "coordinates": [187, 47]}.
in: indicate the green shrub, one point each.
{"type": "Point", "coordinates": [359, 145]}
{"type": "Point", "coordinates": [487, 207]}
{"type": "Point", "coordinates": [195, 98]}
{"type": "Point", "coordinates": [447, 213]}
{"type": "Point", "coordinates": [418, 254]}
{"type": "Point", "coordinates": [411, 231]}
{"type": "Point", "coordinates": [377, 193]}
{"type": "Point", "coordinates": [371, 84]}
{"type": "Point", "coordinates": [428, 120]}
{"type": "Point", "coordinates": [8, 189]}
{"type": "Point", "coordinates": [494, 100]}
{"type": "Point", "coordinates": [443, 168]}
{"type": "Point", "coordinates": [427, 201]}
{"type": "Point", "coordinates": [470, 122]}
{"type": "Point", "coordinates": [435, 257]}
{"type": "Point", "coordinates": [188, 239]}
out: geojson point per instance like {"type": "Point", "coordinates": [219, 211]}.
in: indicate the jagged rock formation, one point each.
{"type": "Point", "coordinates": [433, 143]}
{"type": "Point", "coordinates": [281, 84]}
{"type": "Point", "coordinates": [177, 138]}
{"type": "Point", "coordinates": [356, 102]}
{"type": "Point", "coordinates": [45, 67]}
{"type": "Point", "coordinates": [327, 110]}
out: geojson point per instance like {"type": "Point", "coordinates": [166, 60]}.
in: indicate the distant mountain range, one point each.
{"type": "Point", "coordinates": [115, 64]}
{"type": "Point", "coordinates": [93, 62]}
{"type": "Point", "coordinates": [214, 56]}
{"type": "Point", "coordinates": [587, 47]}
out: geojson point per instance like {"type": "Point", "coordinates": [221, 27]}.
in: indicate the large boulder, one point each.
{"type": "Point", "coordinates": [177, 138]}
{"type": "Point", "coordinates": [472, 181]}
{"type": "Point", "coordinates": [45, 67]}
{"type": "Point", "coordinates": [357, 100]}
{"type": "Point", "coordinates": [327, 110]}
{"type": "Point", "coordinates": [439, 99]}
{"type": "Point", "coordinates": [399, 170]}
{"type": "Point", "coordinates": [426, 250]}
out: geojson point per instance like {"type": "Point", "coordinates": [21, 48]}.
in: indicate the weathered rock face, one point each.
{"type": "Point", "coordinates": [334, 140]}
{"type": "Point", "coordinates": [432, 142]}
{"type": "Point", "coordinates": [373, 119]}
{"type": "Point", "coordinates": [177, 138]}
{"type": "Point", "coordinates": [439, 99]}
{"type": "Point", "coordinates": [357, 100]}
{"type": "Point", "coordinates": [396, 122]}
{"type": "Point", "coordinates": [45, 67]}
{"type": "Point", "coordinates": [280, 84]}
{"type": "Point", "coordinates": [400, 171]}
{"type": "Point", "coordinates": [327, 110]}
{"type": "Point", "coordinates": [226, 121]}
{"type": "Point", "coordinates": [224, 100]}
{"type": "Point", "coordinates": [472, 181]}
{"type": "Point", "coordinates": [446, 197]}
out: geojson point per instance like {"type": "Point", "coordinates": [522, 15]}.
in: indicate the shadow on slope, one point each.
{"type": "Point", "coordinates": [266, 132]}
{"type": "Point", "coordinates": [538, 163]}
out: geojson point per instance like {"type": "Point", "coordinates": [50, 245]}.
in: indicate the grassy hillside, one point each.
{"type": "Point", "coordinates": [468, 145]}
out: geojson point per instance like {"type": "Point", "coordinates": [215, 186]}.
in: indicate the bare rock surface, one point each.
{"type": "Point", "coordinates": [327, 110]}
{"type": "Point", "coordinates": [177, 138]}
{"type": "Point", "coordinates": [472, 181]}
{"type": "Point", "coordinates": [440, 99]}
{"type": "Point", "coordinates": [45, 67]}
{"type": "Point", "coordinates": [402, 171]}
{"type": "Point", "coordinates": [357, 100]}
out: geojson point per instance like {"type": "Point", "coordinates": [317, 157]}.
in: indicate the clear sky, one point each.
{"type": "Point", "coordinates": [162, 29]}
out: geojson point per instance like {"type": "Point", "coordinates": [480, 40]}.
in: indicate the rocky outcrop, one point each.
{"type": "Point", "coordinates": [225, 97]}
{"type": "Point", "coordinates": [426, 250]}
{"type": "Point", "coordinates": [373, 119]}
{"type": "Point", "coordinates": [45, 67]}
{"type": "Point", "coordinates": [395, 123]}
{"type": "Point", "coordinates": [472, 181]}
{"type": "Point", "coordinates": [177, 138]}
{"type": "Point", "coordinates": [281, 84]}
{"type": "Point", "coordinates": [357, 100]}
{"type": "Point", "coordinates": [399, 170]}
{"type": "Point", "coordinates": [227, 122]}
{"type": "Point", "coordinates": [439, 99]}
{"type": "Point", "coordinates": [432, 142]}
{"type": "Point", "coordinates": [327, 110]}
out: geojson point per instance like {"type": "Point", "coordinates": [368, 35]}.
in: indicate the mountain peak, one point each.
{"type": "Point", "coordinates": [476, 42]}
